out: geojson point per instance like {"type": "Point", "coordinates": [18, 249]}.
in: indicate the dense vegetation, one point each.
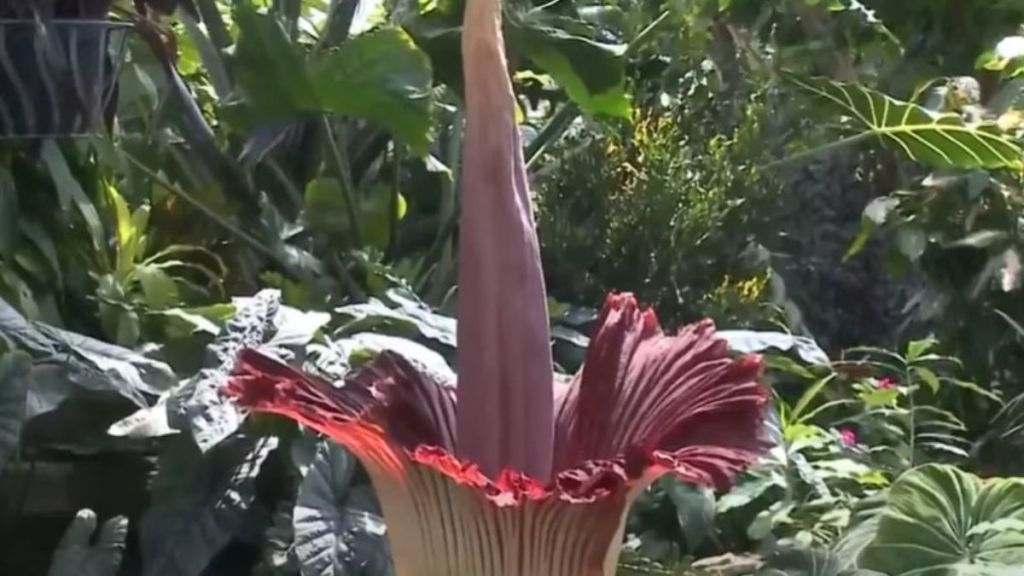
{"type": "Point", "coordinates": [837, 183]}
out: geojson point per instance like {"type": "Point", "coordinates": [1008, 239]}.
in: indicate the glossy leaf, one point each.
{"type": "Point", "coordinates": [930, 525]}
{"type": "Point", "coordinates": [200, 502]}
{"type": "Point", "coordinates": [338, 530]}
{"type": "Point", "coordinates": [749, 341]}
{"type": "Point", "coordinates": [379, 76]}
{"type": "Point", "coordinates": [941, 140]}
{"type": "Point", "coordinates": [86, 362]}
{"type": "Point", "coordinates": [591, 73]}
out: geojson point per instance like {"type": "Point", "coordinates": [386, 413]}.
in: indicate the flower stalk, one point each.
{"type": "Point", "coordinates": [509, 473]}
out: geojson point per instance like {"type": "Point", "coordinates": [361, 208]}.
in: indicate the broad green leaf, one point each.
{"type": "Point", "coordinates": [86, 362]}
{"type": "Point", "coordinates": [747, 341]}
{"type": "Point", "coordinates": [929, 525]}
{"type": "Point", "coordinates": [380, 76]}
{"type": "Point", "coordinates": [201, 502]}
{"type": "Point", "coordinates": [406, 316]}
{"type": "Point", "coordinates": [69, 192]}
{"type": "Point", "coordinates": [326, 209]}
{"type": "Point", "coordinates": [942, 140]}
{"type": "Point", "coordinates": [43, 242]}
{"type": "Point", "coordinates": [746, 491]}
{"type": "Point", "coordinates": [877, 397]}
{"type": "Point", "coordinates": [197, 406]}
{"type": "Point", "coordinates": [270, 68]}
{"type": "Point", "coordinates": [338, 529]}
{"type": "Point", "coordinates": [591, 73]}
{"type": "Point", "coordinates": [808, 562]}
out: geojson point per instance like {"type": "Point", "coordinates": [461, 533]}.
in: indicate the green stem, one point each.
{"type": "Point", "coordinates": [551, 132]}
{"type": "Point", "coordinates": [345, 176]}
{"type": "Point", "coordinates": [251, 241]}
{"type": "Point", "coordinates": [396, 195]}
{"type": "Point", "coordinates": [214, 24]}
{"type": "Point", "coordinates": [908, 378]}
{"type": "Point", "coordinates": [646, 34]}
{"type": "Point", "coordinates": [819, 151]}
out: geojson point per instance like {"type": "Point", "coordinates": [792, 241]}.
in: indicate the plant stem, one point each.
{"type": "Point", "coordinates": [396, 196]}
{"type": "Point", "coordinates": [252, 242]}
{"type": "Point", "coordinates": [819, 151]}
{"type": "Point", "coordinates": [646, 34]}
{"type": "Point", "coordinates": [908, 378]}
{"type": "Point", "coordinates": [345, 176]}
{"type": "Point", "coordinates": [214, 23]}
{"type": "Point", "coordinates": [551, 132]}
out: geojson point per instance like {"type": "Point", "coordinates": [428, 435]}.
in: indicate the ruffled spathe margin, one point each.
{"type": "Point", "coordinates": [644, 404]}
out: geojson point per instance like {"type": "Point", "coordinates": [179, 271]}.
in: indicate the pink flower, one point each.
{"type": "Point", "coordinates": [885, 383]}
{"type": "Point", "coordinates": [848, 437]}
{"type": "Point", "coordinates": [511, 473]}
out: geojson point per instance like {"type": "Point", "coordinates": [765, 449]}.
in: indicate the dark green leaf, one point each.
{"type": "Point", "coordinates": [591, 73]}
{"type": "Point", "coordinates": [201, 501]}
{"type": "Point", "coordinates": [928, 526]}
{"type": "Point", "coordinates": [338, 530]}
{"type": "Point", "coordinates": [380, 76]}
{"type": "Point", "coordinates": [86, 362]}
{"type": "Point", "coordinates": [270, 68]}
{"type": "Point", "coordinates": [69, 191]}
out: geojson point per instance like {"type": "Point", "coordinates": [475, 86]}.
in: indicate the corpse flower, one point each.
{"type": "Point", "coordinates": [512, 473]}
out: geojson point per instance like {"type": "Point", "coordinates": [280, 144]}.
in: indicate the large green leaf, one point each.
{"type": "Point", "coordinates": [403, 315]}
{"type": "Point", "coordinates": [940, 139]}
{"type": "Point", "coordinates": [197, 405]}
{"type": "Point", "coordinates": [591, 73]}
{"type": "Point", "coordinates": [338, 529]}
{"type": "Point", "coordinates": [941, 521]}
{"type": "Point", "coordinates": [753, 341]}
{"type": "Point", "coordinates": [379, 76]}
{"type": "Point", "coordinates": [86, 362]}
{"type": "Point", "coordinates": [201, 501]}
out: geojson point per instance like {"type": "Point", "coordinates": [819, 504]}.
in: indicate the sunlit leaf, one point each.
{"type": "Point", "coordinates": [926, 527]}
{"type": "Point", "coordinates": [942, 140]}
